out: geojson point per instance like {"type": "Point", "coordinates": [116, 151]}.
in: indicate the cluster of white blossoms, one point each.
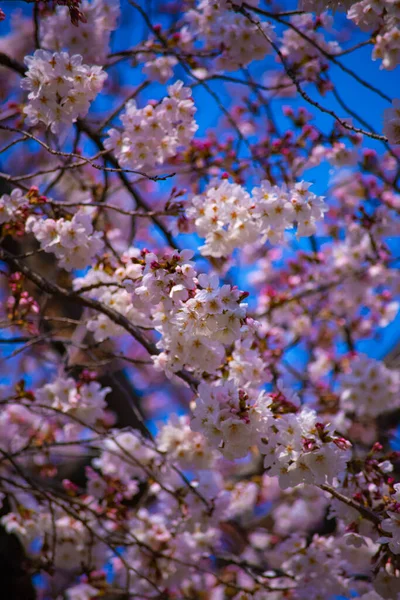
{"type": "Point", "coordinates": [196, 331]}
{"type": "Point", "coordinates": [115, 296]}
{"type": "Point", "coordinates": [229, 217]}
{"type": "Point", "coordinates": [73, 241]}
{"type": "Point", "coordinates": [90, 39]}
{"type": "Point", "coordinates": [223, 214]}
{"type": "Point", "coordinates": [299, 509]}
{"type": "Point", "coordinates": [60, 88]}
{"type": "Point", "coordinates": [307, 56]}
{"type": "Point", "coordinates": [391, 127]}
{"type": "Point", "coordinates": [387, 48]}
{"type": "Point", "coordinates": [17, 423]}
{"type": "Point", "coordinates": [370, 388]}
{"type": "Point", "coordinates": [372, 14]}
{"type": "Point", "coordinates": [188, 449]}
{"type": "Point", "coordinates": [297, 448]}
{"type": "Point", "coordinates": [169, 279]}
{"type": "Point", "coordinates": [208, 484]}
{"type": "Point", "coordinates": [297, 48]}
{"type": "Point", "coordinates": [382, 16]}
{"type": "Point", "coordinates": [196, 317]}
{"type": "Point", "coordinates": [315, 569]}
{"type": "Point", "coordinates": [179, 551]}
{"type": "Point", "coordinates": [154, 133]}
{"type": "Point", "coordinates": [158, 68]}
{"type": "Point", "coordinates": [11, 205]}
{"type": "Point", "coordinates": [219, 27]}
{"type": "Point", "coordinates": [246, 367]}
{"type": "Point", "coordinates": [137, 288]}
{"type": "Point", "coordinates": [391, 524]}
{"type": "Point", "coordinates": [125, 455]}
{"type": "Point", "coordinates": [84, 402]}
{"type": "Point", "coordinates": [71, 538]}
{"type": "Point", "coordinates": [223, 415]}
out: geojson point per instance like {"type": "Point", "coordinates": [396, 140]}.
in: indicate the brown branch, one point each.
{"type": "Point", "coordinates": [10, 63]}
{"type": "Point", "coordinates": [84, 127]}
{"type": "Point", "coordinates": [363, 510]}
{"type": "Point", "coordinates": [328, 55]}
{"type": "Point", "coordinates": [300, 90]}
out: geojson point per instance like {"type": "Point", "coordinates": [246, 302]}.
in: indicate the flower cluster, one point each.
{"type": "Point", "coordinates": [369, 15]}
{"type": "Point", "coordinates": [181, 444]}
{"type": "Point", "coordinates": [85, 402]}
{"type": "Point", "coordinates": [246, 367]}
{"type": "Point", "coordinates": [176, 437]}
{"type": "Point", "coordinates": [308, 57]}
{"type": "Point", "coordinates": [391, 524]}
{"type": "Point", "coordinates": [11, 206]}
{"type": "Point", "coordinates": [370, 388]}
{"type": "Point", "coordinates": [153, 134]}
{"type": "Point", "coordinates": [158, 68]}
{"type": "Point", "coordinates": [60, 88]}
{"type": "Point", "coordinates": [72, 240]}
{"type": "Point", "coordinates": [90, 39]}
{"type": "Point", "coordinates": [382, 16]}
{"type": "Point", "coordinates": [72, 544]}
{"type": "Point", "coordinates": [228, 217]}
{"type": "Point", "coordinates": [114, 295]}
{"type": "Point", "coordinates": [391, 126]}
{"type": "Point", "coordinates": [159, 536]}
{"type": "Point", "coordinates": [127, 457]}
{"type": "Point", "coordinates": [310, 563]}
{"type": "Point", "coordinates": [297, 448]}
{"type": "Point", "coordinates": [196, 330]}
{"type": "Point", "coordinates": [196, 317]}
{"type": "Point", "coordinates": [299, 509]}
{"type": "Point", "coordinates": [387, 48]}
{"type": "Point", "coordinates": [225, 418]}
{"type": "Point", "coordinates": [223, 214]}
{"type": "Point", "coordinates": [242, 40]}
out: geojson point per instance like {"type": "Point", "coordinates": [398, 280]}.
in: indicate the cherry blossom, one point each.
{"type": "Point", "coordinates": [154, 133]}
{"type": "Point", "coordinates": [392, 122]}
{"type": "Point", "coordinates": [60, 88]}
{"type": "Point", "coordinates": [200, 285]}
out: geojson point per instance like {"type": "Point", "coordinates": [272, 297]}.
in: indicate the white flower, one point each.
{"type": "Point", "coordinates": [218, 26]}
{"type": "Point", "coordinates": [392, 525]}
{"type": "Point", "coordinates": [187, 447]}
{"type": "Point", "coordinates": [90, 39]}
{"type": "Point", "coordinates": [158, 68]}
{"type": "Point", "coordinates": [11, 204]}
{"type": "Point", "coordinates": [74, 242]}
{"type": "Point", "coordinates": [387, 47]}
{"type": "Point", "coordinates": [86, 403]}
{"type": "Point", "coordinates": [370, 388]}
{"type": "Point", "coordinates": [61, 88]}
{"type": "Point", "coordinates": [229, 217]}
{"type": "Point", "coordinates": [152, 135]}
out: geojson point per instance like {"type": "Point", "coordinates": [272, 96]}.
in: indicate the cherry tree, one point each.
{"type": "Point", "coordinates": [199, 269]}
